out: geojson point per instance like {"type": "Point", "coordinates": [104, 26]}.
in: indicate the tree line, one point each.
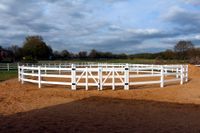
{"type": "Point", "coordinates": [35, 48]}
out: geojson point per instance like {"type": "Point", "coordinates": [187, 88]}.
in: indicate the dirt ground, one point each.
{"type": "Point", "coordinates": [174, 108]}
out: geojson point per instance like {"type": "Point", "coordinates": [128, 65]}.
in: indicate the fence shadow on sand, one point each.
{"type": "Point", "coordinates": [101, 114]}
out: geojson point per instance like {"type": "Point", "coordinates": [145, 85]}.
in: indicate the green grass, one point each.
{"type": "Point", "coordinates": [5, 75]}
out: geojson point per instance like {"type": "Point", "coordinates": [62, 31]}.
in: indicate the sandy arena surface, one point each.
{"type": "Point", "coordinates": [174, 108]}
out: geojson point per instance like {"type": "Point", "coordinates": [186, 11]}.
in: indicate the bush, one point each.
{"type": "Point", "coordinates": [159, 60]}
{"type": "Point", "coordinates": [194, 60]}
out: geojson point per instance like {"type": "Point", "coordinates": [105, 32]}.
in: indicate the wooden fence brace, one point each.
{"type": "Point", "coordinates": [181, 82]}
{"type": "Point", "coordinates": [73, 77]}
{"type": "Point", "coordinates": [161, 77]}
{"type": "Point", "coordinates": [126, 77]}
{"type": "Point", "coordinates": [113, 78]}
{"type": "Point", "coordinates": [39, 76]}
{"type": "Point", "coordinates": [100, 78]}
{"type": "Point", "coordinates": [86, 78]}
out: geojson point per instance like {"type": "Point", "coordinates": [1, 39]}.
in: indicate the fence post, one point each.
{"type": "Point", "coordinates": [165, 71]}
{"type": "Point", "coordinates": [106, 68]}
{"type": "Point", "coordinates": [86, 78]}
{"type": "Point", "coordinates": [39, 76]}
{"type": "Point", "coordinates": [177, 73]}
{"type": "Point", "coordinates": [45, 69]}
{"type": "Point", "coordinates": [22, 74]}
{"type": "Point", "coordinates": [73, 78]}
{"type": "Point", "coordinates": [59, 68]}
{"type": "Point", "coordinates": [100, 78]}
{"type": "Point", "coordinates": [19, 72]}
{"type": "Point", "coordinates": [113, 78]}
{"type": "Point", "coordinates": [8, 67]}
{"type": "Point", "coordinates": [121, 68]}
{"type": "Point", "coordinates": [152, 67]}
{"type": "Point", "coordinates": [181, 75]}
{"type": "Point", "coordinates": [126, 77]}
{"type": "Point", "coordinates": [162, 77]}
{"type": "Point", "coordinates": [32, 69]}
{"type": "Point", "coordinates": [186, 74]}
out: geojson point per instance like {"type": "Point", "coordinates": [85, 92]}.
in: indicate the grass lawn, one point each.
{"type": "Point", "coordinates": [4, 75]}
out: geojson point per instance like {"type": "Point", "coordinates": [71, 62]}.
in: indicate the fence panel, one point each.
{"type": "Point", "coordinates": [101, 75]}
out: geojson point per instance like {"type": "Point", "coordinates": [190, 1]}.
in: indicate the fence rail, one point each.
{"type": "Point", "coordinates": [8, 66]}
{"type": "Point", "coordinates": [102, 75]}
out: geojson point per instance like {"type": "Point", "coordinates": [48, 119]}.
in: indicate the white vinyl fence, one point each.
{"type": "Point", "coordinates": [102, 75]}
{"type": "Point", "coordinates": [8, 66]}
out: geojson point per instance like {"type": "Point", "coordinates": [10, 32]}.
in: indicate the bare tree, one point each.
{"type": "Point", "coordinates": [82, 54]}
{"type": "Point", "coordinates": [182, 48]}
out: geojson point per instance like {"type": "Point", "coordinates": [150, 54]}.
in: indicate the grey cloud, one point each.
{"type": "Point", "coordinates": [114, 1]}
{"type": "Point", "coordinates": [184, 18]}
{"type": "Point", "coordinates": [116, 45]}
{"type": "Point", "coordinates": [72, 25]}
{"type": "Point", "coordinates": [63, 31]}
{"type": "Point", "coordinates": [186, 22]}
{"type": "Point", "coordinates": [123, 41]}
{"type": "Point", "coordinates": [193, 2]}
{"type": "Point", "coordinates": [78, 15]}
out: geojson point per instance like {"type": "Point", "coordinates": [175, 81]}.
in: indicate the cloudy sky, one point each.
{"type": "Point", "coordinates": [128, 26]}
